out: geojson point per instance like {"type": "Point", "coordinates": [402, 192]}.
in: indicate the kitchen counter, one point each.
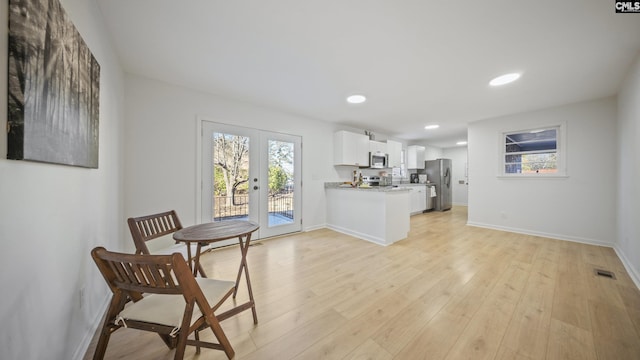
{"type": "Point", "coordinates": [339, 186]}
{"type": "Point", "coordinates": [377, 214]}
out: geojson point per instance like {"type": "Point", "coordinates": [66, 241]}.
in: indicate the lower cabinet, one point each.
{"type": "Point", "coordinates": [387, 214]}
{"type": "Point", "coordinates": [417, 198]}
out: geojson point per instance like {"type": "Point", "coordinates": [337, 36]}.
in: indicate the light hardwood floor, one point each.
{"type": "Point", "coordinates": [449, 291]}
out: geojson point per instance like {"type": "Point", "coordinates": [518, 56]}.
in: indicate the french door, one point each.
{"type": "Point", "coordinates": [251, 174]}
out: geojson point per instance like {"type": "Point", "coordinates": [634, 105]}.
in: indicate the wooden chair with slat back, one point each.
{"type": "Point", "coordinates": [175, 303]}
{"type": "Point", "coordinates": [150, 227]}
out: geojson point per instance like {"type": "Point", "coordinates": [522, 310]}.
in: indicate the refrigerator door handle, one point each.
{"type": "Point", "coordinates": [447, 176]}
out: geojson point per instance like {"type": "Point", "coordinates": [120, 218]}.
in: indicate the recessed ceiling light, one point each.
{"type": "Point", "coordinates": [504, 79]}
{"type": "Point", "coordinates": [461, 143]}
{"type": "Point", "coordinates": [431, 127]}
{"type": "Point", "coordinates": [356, 99]}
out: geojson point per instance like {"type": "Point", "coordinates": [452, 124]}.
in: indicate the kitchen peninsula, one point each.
{"type": "Point", "coordinates": [376, 214]}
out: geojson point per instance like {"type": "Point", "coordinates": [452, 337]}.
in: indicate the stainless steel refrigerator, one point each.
{"type": "Point", "coordinates": [439, 172]}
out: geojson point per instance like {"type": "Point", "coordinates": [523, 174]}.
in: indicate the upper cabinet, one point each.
{"type": "Point", "coordinates": [350, 149]}
{"type": "Point", "coordinates": [353, 149]}
{"type": "Point", "coordinates": [415, 157]}
{"type": "Point", "coordinates": [394, 149]}
{"type": "Point", "coordinates": [377, 146]}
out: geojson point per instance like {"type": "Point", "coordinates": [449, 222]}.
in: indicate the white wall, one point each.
{"type": "Point", "coordinates": [458, 156]}
{"type": "Point", "coordinates": [161, 135]}
{"type": "Point", "coordinates": [628, 154]}
{"type": "Point", "coordinates": [580, 207]}
{"type": "Point", "coordinates": [51, 216]}
{"type": "Point", "coordinates": [433, 152]}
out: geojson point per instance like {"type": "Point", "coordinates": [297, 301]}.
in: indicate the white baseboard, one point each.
{"type": "Point", "coordinates": [543, 234]}
{"type": "Point", "coordinates": [88, 336]}
{"type": "Point", "coordinates": [315, 227]}
{"type": "Point", "coordinates": [358, 235]}
{"type": "Point", "coordinates": [633, 273]}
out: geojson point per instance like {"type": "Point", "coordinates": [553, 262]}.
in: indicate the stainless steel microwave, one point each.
{"type": "Point", "coordinates": [378, 160]}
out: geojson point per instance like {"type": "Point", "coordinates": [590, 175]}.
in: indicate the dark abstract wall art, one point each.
{"type": "Point", "coordinates": [54, 87]}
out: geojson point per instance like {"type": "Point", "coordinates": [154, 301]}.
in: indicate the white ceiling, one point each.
{"type": "Point", "coordinates": [417, 61]}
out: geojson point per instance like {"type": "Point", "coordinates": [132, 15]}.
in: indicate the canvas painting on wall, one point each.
{"type": "Point", "coordinates": [54, 87]}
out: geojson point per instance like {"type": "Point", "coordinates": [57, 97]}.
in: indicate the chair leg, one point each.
{"type": "Point", "coordinates": [220, 335]}
{"type": "Point", "coordinates": [181, 345]}
{"type": "Point", "coordinates": [184, 331]}
{"type": "Point", "coordinates": [201, 271]}
{"type": "Point", "coordinates": [115, 305]}
{"type": "Point", "coordinates": [103, 341]}
{"type": "Point", "coordinates": [197, 336]}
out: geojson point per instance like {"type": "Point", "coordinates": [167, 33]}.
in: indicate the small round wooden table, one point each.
{"type": "Point", "coordinates": [207, 233]}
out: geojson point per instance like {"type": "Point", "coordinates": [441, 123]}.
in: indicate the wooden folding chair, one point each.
{"type": "Point", "coordinates": [175, 303]}
{"type": "Point", "coordinates": [150, 227]}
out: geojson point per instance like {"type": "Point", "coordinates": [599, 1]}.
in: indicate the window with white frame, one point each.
{"type": "Point", "coordinates": [533, 152]}
{"type": "Point", "coordinates": [401, 171]}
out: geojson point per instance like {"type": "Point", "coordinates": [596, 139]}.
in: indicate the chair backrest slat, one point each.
{"type": "Point", "coordinates": [152, 275]}
{"type": "Point", "coordinates": [120, 271]}
{"type": "Point", "coordinates": [156, 274]}
{"type": "Point", "coordinates": [149, 227]}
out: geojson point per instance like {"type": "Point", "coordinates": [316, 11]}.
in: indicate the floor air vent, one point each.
{"type": "Point", "coordinates": [605, 273]}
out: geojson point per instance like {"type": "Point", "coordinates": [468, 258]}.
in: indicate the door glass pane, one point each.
{"type": "Point", "coordinates": [254, 175]}
{"type": "Point", "coordinates": [281, 181]}
{"type": "Point", "coordinates": [230, 176]}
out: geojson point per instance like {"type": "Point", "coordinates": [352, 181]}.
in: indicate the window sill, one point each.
{"type": "Point", "coordinates": [532, 176]}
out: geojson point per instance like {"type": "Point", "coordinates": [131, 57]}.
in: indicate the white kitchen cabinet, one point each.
{"type": "Point", "coordinates": [381, 217]}
{"type": "Point", "coordinates": [377, 146]}
{"type": "Point", "coordinates": [350, 149]}
{"type": "Point", "coordinates": [394, 149]}
{"type": "Point", "coordinates": [417, 198]}
{"type": "Point", "coordinates": [415, 157]}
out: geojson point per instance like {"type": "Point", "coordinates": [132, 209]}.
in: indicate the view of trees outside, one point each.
{"type": "Point", "coordinates": [280, 167]}
{"type": "Point", "coordinates": [231, 166]}
{"type": "Point", "coordinates": [231, 173]}
{"type": "Point", "coordinates": [539, 163]}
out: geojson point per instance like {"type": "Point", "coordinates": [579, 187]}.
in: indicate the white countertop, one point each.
{"type": "Point", "coordinates": [394, 188]}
